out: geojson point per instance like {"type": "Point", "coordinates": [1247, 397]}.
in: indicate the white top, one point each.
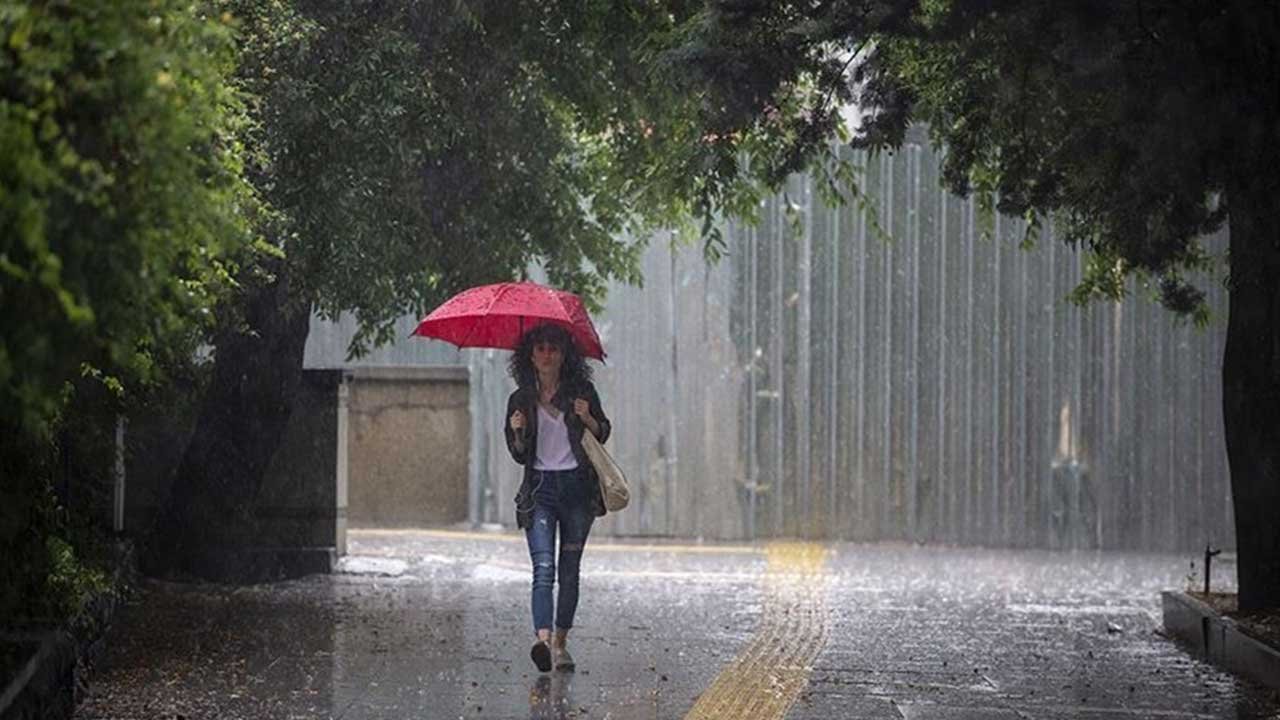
{"type": "Point", "coordinates": [554, 452]}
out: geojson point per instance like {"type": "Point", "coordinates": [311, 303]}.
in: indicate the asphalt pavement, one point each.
{"type": "Point", "coordinates": [435, 625]}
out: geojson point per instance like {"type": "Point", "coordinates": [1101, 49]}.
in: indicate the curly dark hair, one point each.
{"type": "Point", "coordinates": [574, 369]}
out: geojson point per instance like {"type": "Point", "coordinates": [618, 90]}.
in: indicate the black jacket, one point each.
{"type": "Point", "coordinates": [525, 399]}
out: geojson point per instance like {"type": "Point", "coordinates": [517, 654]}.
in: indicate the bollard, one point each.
{"type": "Point", "coordinates": [1209, 553]}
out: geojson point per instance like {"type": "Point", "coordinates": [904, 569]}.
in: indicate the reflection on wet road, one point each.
{"type": "Point", "coordinates": [431, 624]}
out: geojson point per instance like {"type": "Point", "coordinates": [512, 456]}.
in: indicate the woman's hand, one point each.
{"type": "Point", "coordinates": [582, 408]}
{"type": "Point", "coordinates": [517, 421]}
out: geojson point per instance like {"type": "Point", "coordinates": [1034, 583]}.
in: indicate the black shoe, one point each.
{"type": "Point", "coordinates": [540, 653]}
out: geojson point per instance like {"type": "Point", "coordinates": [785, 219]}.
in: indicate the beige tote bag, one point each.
{"type": "Point", "coordinates": [613, 484]}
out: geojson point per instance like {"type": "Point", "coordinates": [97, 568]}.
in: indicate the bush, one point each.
{"type": "Point", "coordinates": [121, 192]}
{"type": "Point", "coordinates": [122, 200]}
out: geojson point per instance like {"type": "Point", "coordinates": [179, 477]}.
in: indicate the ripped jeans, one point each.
{"type": "Point", "coordinates": [562, 499]}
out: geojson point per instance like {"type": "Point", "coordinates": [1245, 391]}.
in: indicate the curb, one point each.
{"type": "Point", "coordinates": [1218, 639]}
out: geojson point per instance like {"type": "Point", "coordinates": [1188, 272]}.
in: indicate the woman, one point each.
{"type": "Point", "coordinates": [553, 405]}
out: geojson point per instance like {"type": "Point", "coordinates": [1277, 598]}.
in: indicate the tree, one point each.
{"type": "Point", "coordinates": [408, 150]}
{"type": "Point", "coordinates": [121, 201]}
{"type": "Point", "coordinates": [1138, 127]}
{"type": "Point", "coordinates": [120, 188]}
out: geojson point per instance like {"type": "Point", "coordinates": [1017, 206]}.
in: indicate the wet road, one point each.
{"type": "Point", "coordinates": [435, 625]}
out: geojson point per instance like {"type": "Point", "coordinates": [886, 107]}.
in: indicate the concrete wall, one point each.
{"type": "Point", "coordinates": [409, 440]}
{"type": "Point", "coordinates": [367, 446]}
{"type": "Point", "coordinates": [301, 507]}
{"type": "Point", "coordinates": [153, 447]}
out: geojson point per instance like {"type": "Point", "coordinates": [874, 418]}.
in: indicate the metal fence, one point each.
{"type": "Point", "coordinates": [938, 386]}
{"type": "Point", "coordinates": [926, 384]}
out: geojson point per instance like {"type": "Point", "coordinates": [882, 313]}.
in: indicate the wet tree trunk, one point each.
{"type": "Point", "coordinates": [1251, 379]}
{"type": "Point", "coordinates": [207, 527]}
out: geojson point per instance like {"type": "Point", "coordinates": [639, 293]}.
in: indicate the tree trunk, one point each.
{"type": "Point", "coordinates": [207, 527]}
{"type": "Point", "coordinates": [1251, 380]}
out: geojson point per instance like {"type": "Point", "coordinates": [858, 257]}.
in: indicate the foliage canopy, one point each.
{"type": "Point", "coordinates": [414, 149]}
{"type": "Point", "coordinates": [120, 192]}
{"type": "Point", "coordinates": [1121, 121]}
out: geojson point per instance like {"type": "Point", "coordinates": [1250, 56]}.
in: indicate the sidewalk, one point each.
{"type": "Point", "coordinates": [435, 625]}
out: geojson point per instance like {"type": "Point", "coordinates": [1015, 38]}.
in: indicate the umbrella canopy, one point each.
{"type": "Point", "coordinates": [497, 316]}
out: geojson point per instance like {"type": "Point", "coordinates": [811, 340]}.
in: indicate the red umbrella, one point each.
{"type": "Point", "coordinates": [496, 316]}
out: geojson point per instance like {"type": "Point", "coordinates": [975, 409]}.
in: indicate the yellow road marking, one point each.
{"type": "Point", "coordinates": [765, 680]}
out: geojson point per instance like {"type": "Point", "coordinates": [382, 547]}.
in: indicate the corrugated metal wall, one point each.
{"type": "Point", "coordinates": [937, 386]}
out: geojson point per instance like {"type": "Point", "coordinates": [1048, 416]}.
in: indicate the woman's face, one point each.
{"type": "Point", "coordinates": [547, 357]}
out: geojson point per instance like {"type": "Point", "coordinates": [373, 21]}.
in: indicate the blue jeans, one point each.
{"type": "Point", "coordinates": [561, 498]}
